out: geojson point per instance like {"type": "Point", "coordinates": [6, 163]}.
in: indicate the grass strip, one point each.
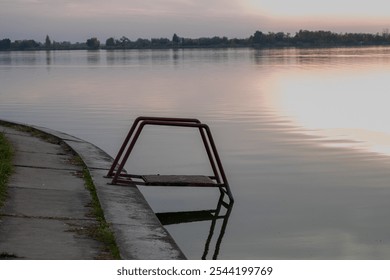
{"type": "Point", "coordinates": [6, 167]}
{"type": "Point", "coordinates": [103, 232]}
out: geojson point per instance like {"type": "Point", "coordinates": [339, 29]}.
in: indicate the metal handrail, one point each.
{"type": "Point", "coordinates": [136, 129]}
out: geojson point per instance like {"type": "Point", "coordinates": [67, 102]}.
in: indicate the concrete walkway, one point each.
{"type": "Point", "coordinates": [47, 214]}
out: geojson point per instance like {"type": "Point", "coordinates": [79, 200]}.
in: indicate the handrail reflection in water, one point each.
{"type": "Point", "coordinates": [222, 211]}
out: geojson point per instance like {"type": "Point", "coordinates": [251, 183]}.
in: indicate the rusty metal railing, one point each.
{"type": "Point", "coordinates": [119, 176]}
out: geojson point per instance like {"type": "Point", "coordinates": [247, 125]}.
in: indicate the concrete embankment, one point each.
{"type": "Point", "coordinates": [47, 207]}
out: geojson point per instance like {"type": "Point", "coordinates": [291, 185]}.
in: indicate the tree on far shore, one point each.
{"type": "Point", "coordinates": [5, 44]}
{"type": "Point", "coordinates": [93, 43]}
{"type": "Point", "coordinates": [47, 42]}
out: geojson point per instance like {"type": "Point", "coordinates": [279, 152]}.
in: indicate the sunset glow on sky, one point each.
{"type": "Point", "coordinates": [79, 19]}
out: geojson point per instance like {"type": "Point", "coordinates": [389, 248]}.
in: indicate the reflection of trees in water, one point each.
{"type": "Point", "coordinates": [222, 211]}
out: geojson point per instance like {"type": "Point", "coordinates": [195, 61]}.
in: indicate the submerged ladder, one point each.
{"type": "Point", "coordinates": [121, 177]}
{"type": "Point", "coordinates": [221, 212]}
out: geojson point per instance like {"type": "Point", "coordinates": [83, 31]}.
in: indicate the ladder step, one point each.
{"type": "Point", "coordinates": [179, 180]}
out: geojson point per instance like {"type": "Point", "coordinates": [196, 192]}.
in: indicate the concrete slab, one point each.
{"type": "Point", "coordinates": [47, 179]}
{"type": "Point", "coordinates": [146, 243]}
{"type": "Point", "coordinates": [47, 239]}
{"type": "Point", "coordinates": [58, 134]}
{"type": "Point", "coordinates": [47, 203]}
{"type": "Point", "coordinates": [92, 156]}
{"type": "Point", "coordinates": [126, 205]}
{"type": "Point", "coordinates": [42, 160]}
{"type": "Point", "coordinates": [9, 130]}
{"type": "Point", "coordinates": [26, 143]}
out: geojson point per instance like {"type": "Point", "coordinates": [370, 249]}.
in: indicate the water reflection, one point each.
{"type": "Point", "coordinates": [337, 105]}
{"type": "Point", "coordinates": [326, 58]}
{"type": "Point", "coordinates": [48, 58]}
{"type": "Point", "coordinates": [93, 57]}
{"type": "Point", "coordinates": [290, 124]}
{"type": "Point", "coordinates": [222, 211]}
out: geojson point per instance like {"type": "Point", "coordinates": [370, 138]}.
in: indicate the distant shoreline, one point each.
{"type": "Point", "coordinates": [307, 46]}
{"type": "Point", "coordinates": [259, 40]}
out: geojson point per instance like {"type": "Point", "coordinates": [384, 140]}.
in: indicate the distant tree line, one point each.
{"type": "Point", "coordinates": [303, 38]}
{"type": "Point", "coordinates": [25, 45]}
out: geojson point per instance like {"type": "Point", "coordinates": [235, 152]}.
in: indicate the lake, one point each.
{"type": "Point", "coordinates": [303, 135]}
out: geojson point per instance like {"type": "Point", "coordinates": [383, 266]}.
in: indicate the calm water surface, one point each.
{"type": "Point", "coordinates": [303, 135]}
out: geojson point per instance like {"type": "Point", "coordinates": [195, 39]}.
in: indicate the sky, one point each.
{"type": "Point", "coordinates": [78, 20]}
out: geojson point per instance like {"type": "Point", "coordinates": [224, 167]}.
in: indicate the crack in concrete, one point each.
{"type": "Point", "coordinates": [47, 168]}
{"type": "Point", "coordinates": [45, 153]}
{"type": "Point", "coordinates": [22, 216]}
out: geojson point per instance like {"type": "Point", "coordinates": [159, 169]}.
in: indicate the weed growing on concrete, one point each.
{"type": "Point", "coordinates": [7, 256]}
{"type": "Point", "coordinates": [103, 232]}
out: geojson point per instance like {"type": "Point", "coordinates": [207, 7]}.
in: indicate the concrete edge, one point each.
{"type": "Point", "coordinates": [138, 232]}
